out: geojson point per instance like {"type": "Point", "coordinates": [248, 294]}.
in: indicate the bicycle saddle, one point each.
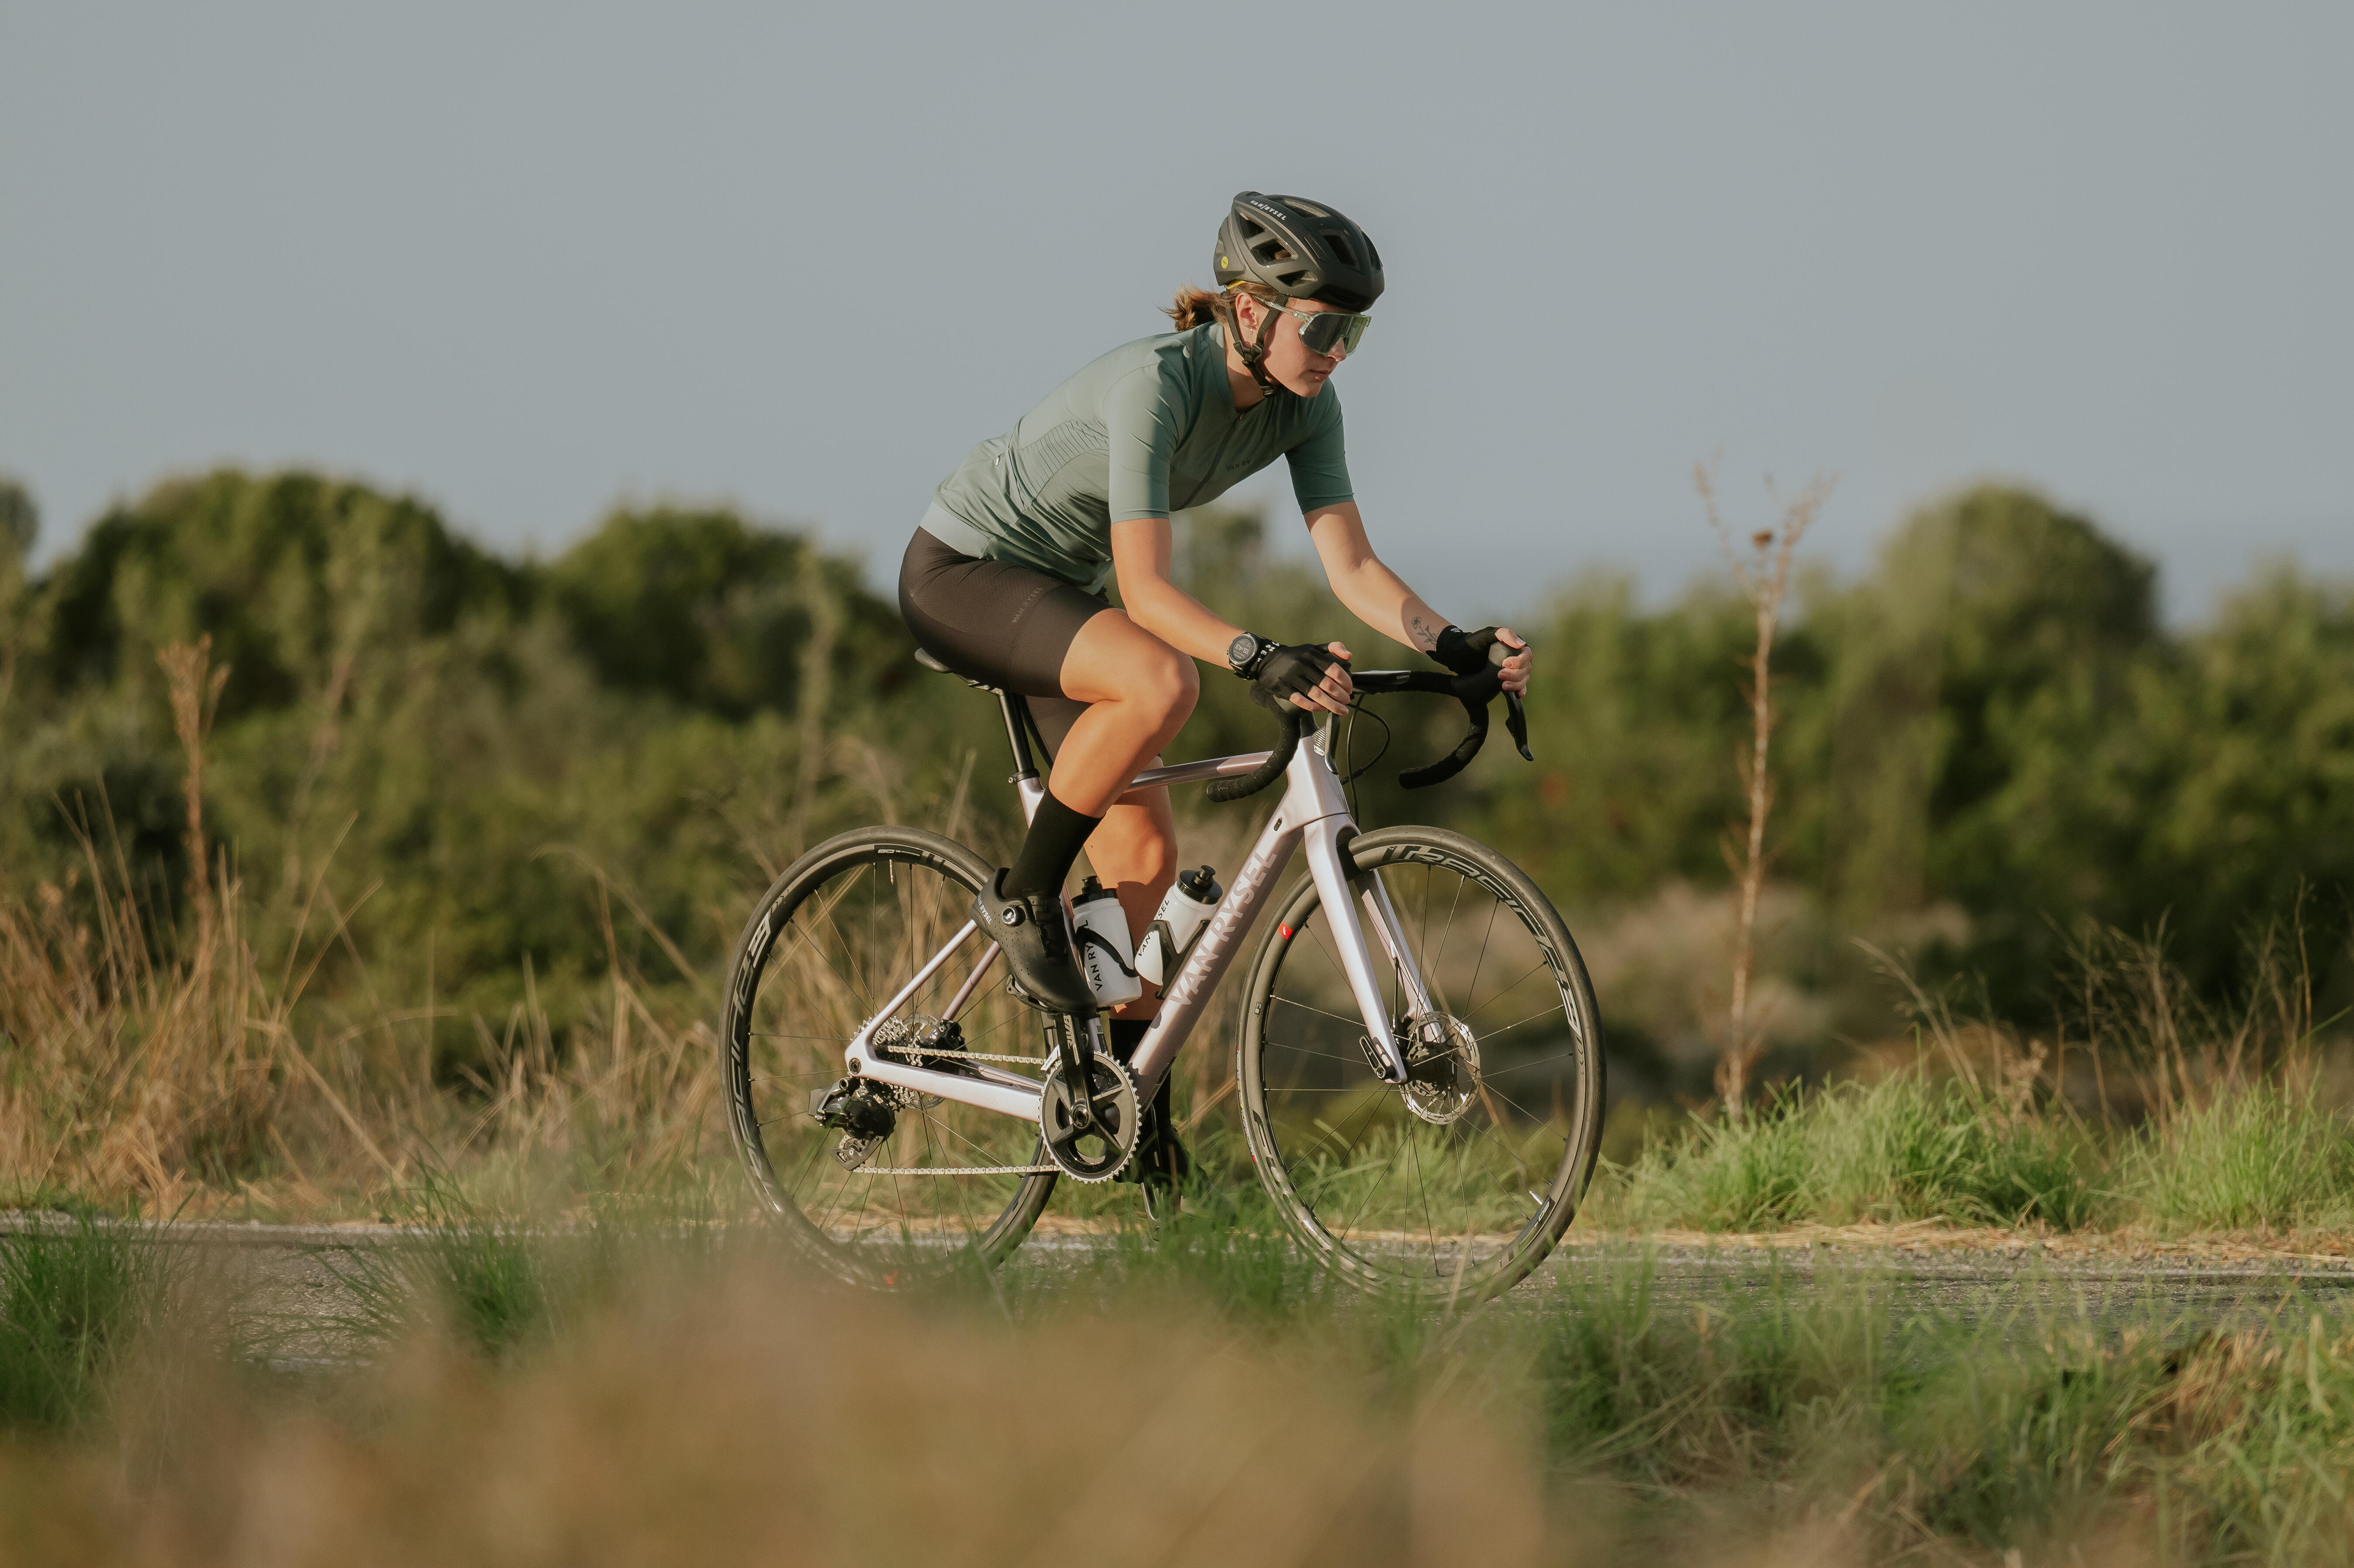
{"type": "Point", "coordinates": [924, 656]}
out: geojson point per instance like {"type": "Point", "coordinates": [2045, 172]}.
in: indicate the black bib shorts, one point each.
{"type": "Point", "coordinates": [998, 622]}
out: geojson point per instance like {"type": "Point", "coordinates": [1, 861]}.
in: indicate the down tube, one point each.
{"type": "Point", "coordinates": [1198, 978]}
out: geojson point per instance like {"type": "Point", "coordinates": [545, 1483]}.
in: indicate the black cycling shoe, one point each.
{"type": "Point", "coordinates": [1035, 935]}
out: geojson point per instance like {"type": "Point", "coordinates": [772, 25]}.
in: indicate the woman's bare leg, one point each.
{"type": "Point", "coordinates": [1139, 692]}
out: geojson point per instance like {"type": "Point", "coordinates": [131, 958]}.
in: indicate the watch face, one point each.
{"type": "Point", "coordinates": [1240, 651]}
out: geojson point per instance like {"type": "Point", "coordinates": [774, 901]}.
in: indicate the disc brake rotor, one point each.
{"type": "Point", "coordinates": [1442, 1064]}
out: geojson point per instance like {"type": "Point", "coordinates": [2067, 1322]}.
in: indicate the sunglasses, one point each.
{"type": "Point", "coordinates": [1328, 332]}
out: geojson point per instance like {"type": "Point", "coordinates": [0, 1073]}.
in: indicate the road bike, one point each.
{"type": "Point", "coordinates": [1418, 1068]}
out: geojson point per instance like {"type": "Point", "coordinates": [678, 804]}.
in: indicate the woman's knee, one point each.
{"type": "Point", "coordinates": [1176, 687]}
{"type": "Point", "coordinates": [1134, 845]}
{"type": "Point", "coordinates": [1156, 684]}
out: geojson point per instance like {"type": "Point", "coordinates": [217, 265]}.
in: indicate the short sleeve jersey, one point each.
{"type": "Point", "coordinates": [1148, 429]}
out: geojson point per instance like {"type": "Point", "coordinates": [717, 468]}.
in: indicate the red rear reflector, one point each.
{"type": "Point", "coordinates": [1284, 932]}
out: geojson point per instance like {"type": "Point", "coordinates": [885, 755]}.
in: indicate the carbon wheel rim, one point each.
{"type": "Point", "coordinates": [834, 938]}
{"type": "Point", "coordinates": [1390, 1200]}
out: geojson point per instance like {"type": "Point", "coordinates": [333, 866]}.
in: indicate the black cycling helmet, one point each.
{"type": "Point", "coordinates": [1301, 250]}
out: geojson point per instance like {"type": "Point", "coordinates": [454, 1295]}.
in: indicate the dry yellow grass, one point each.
{"type": "Point", "coordinates": [153, 1062]}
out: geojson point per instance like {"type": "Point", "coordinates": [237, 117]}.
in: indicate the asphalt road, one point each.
{"type": "Point", "coordinates": [292, 1281]}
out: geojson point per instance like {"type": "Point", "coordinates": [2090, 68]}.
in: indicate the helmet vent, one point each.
{"type": "Point", "coordinates": [1298, 249]}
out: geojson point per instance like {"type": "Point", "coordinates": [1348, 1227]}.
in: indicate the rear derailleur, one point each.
{"type": "Point", "coordinates": [866, 1112]}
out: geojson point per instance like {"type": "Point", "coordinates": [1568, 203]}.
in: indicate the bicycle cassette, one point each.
{"type": "Point", "coordinates": [1102, 1151]}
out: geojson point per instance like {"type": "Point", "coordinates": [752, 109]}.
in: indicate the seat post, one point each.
{"type": "Point", "coordinates": [1017, 733]}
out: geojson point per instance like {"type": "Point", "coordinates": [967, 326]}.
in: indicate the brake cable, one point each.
{"type": "Point", "coordinates": [1348, 748]}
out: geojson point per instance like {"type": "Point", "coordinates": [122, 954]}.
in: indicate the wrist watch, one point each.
{"type": "Point", "coordinates": [1244, 653]}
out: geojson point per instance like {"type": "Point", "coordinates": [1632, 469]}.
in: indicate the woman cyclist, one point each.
{"type": "Point", "coordinates": [1003, 582]}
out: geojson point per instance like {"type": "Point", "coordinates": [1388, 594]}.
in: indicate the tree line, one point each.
{"type": "Point", "coordinates": [496, 771]}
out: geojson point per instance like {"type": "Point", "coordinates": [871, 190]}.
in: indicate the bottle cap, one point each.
{"type": "Point", "coordinates": [1090, 890]}
{"type": "Point", "coordinates": [1200, 885]}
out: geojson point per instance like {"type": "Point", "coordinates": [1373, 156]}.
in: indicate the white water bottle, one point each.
{"type": "Point", "coordinates": [1099, 928]}
{"type": "Point", "coordinates": [1179, 919]}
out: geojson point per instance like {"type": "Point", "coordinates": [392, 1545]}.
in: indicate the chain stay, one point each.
{"type": "Point", "coordinates": [957, 1169]}
{"type": "Point", "coordinates": [905, 1047]}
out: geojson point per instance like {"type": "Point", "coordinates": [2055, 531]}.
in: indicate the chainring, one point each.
{"type": "Point", "coordinates": [1442, 1065]}
{"type": "Point", "coordinates": [1118, 1117]}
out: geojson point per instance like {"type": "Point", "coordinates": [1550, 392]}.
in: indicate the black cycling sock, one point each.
{"type": "Point", "coordinates": [1127, 1035]}
{"type": "Point", "coordinates": [1056, 834]}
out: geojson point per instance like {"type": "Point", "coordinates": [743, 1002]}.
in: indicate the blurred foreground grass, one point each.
{"type": "Point", "coordinates": [660, 1388]}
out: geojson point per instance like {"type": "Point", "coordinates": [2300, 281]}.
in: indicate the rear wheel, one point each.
{"type": "Point", "coordinates": [1460, 1181]}
{"type": "Point", "coordinates": [834, 938]}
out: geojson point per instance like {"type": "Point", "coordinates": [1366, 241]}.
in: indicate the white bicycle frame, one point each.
{"type": "Point", "coordinates": [1314, 812]}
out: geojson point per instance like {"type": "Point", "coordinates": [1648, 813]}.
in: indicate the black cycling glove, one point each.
{"type": "Point", "coordinates": [1291, 670]}
{"type": "Point", "coordinates": [1465, 652]}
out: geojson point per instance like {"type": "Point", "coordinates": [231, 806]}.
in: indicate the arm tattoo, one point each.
{"type": "Point", "coordinates": [1425, 636]}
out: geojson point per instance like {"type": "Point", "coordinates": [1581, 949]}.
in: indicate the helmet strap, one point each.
{"type": "Point", "coordinates": [1254, 355]}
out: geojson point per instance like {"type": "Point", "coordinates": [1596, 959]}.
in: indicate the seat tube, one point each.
{"type": "Point", "coordinates": [1026, 784]}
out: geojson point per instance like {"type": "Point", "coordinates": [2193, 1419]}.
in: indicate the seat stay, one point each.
{"type": "Point", "coordinates": [1005, 1093]}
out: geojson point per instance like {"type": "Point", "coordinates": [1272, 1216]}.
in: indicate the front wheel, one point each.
{"type": "Point", "coordinates": [1460, 1181]}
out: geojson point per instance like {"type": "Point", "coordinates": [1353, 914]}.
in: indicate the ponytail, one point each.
{"type": "Point", "coordinates": [1197, 307]}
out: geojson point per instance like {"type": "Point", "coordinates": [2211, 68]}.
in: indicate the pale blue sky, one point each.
{"type": "Point", "coordinates": [528, 260]}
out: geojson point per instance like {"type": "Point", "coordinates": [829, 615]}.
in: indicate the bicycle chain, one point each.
{"type": "Point", "coordinates": [926, 1051]}
{"type": "Point", "coordinates": [919, 1052]}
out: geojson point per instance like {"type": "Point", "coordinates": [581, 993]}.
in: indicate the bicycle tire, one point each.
{"type": "Point", "coordinates": [1301, 1051]}
{"type": "Point", "coordinates": [865, 910]}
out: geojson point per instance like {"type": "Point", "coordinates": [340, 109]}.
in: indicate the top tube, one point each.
{"type": "Point", "coordinates": [1195, 772]}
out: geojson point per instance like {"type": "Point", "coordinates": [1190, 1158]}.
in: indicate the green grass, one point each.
{"type": "Point", "coordinates": [2269, 1158]}
{"type": "Point", "coordinates": [74, 1303]}
{"type": "Point", "coordinates": [1909, 1147]}
{"type": "Point", "coordinates": [2033, 1427]}
{"type": "Point", "coordinates": [507, 1283]}
{"type": "Point", "coordinates": [631, 1383]}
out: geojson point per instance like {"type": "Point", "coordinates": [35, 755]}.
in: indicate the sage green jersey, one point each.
{"type": "Point", "coordinates": [1148, 429]}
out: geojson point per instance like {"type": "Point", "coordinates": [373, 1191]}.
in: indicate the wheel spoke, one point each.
{"type": "Point", "coordinates": [1390, 1194]}
{"type": "Point", "coordinates": [848, 934]}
